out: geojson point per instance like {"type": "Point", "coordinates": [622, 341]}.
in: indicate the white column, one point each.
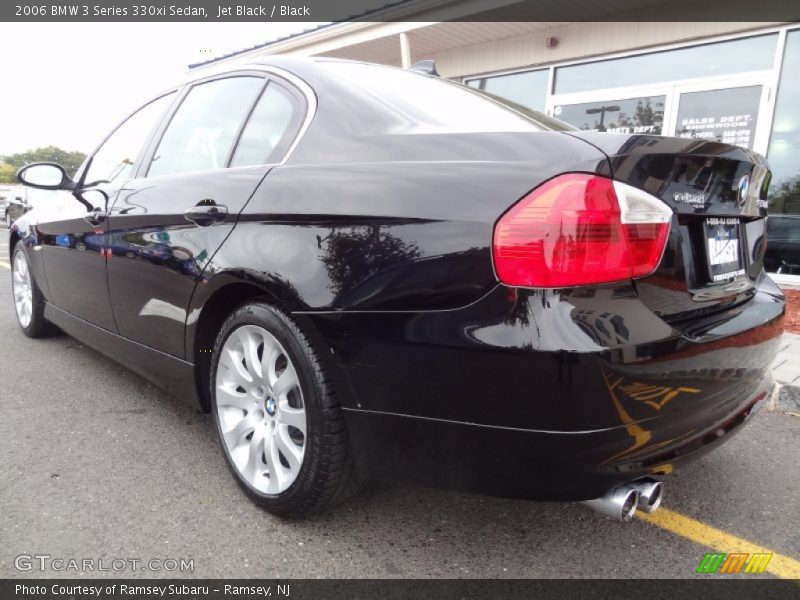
{"type": "Point", "coordinates": [405, 51]}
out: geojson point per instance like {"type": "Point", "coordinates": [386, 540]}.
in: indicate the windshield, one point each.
{"type": "Point", "coordinates": [441, 103]}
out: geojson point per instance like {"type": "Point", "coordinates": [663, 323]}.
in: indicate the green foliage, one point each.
{"type": "Point", "coordinates": [7, 173]}
{"type": "Point", "coordinates": [69, 160]}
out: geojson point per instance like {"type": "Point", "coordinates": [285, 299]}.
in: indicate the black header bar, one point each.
{"type": "Point", "coordinates": [708, 588]}
{"type": "Point", "coordinates": [397, 10]}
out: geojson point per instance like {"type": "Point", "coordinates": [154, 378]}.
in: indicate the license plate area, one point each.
{"type": "Point", "coordinates": [723, 248]}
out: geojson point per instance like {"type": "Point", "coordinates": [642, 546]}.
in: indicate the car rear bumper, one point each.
{"type": "Point", "coordinates": [547, 395]}
{"type": "Point", "coordinates": [518, 463]}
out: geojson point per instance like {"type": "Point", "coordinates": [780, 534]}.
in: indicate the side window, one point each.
{"type": "Point", "coordinates": [114, 160]}
{"type": "Point", "coordinates": [271, 128]}
{"type": "Point", "coordinates": [202, 131]}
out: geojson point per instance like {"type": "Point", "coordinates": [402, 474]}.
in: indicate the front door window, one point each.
{"type": "Point", "coordinates": [113, 161]}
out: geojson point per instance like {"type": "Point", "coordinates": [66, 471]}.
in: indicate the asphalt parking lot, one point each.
{"type": "Point", "coordinates": [97, 463]}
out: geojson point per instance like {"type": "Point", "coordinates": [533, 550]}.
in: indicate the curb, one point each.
{"type": "Point", "coordinates": [785, 398]}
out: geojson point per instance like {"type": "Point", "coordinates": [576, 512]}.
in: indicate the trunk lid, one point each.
{"type": "Point", "coordinates": [715, 253]}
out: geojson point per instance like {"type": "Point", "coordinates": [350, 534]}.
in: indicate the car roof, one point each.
{"type": "Point", "coordinates": [296, 65]}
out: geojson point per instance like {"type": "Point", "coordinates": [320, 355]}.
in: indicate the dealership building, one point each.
{"type": "Point", "coordinates": [735, 82]}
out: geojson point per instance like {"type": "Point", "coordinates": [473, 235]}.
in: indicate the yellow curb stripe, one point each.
{"type": "Point", "coordinates": [5, 264]}
{"type": "Point", "coordinates": [710, 537]}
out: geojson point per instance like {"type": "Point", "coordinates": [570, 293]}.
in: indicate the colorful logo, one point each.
{"type": "Point", "coordinates": [735, 562]}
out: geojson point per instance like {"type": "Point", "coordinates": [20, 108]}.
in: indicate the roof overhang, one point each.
{"type": "Point", "coordinates": [373, 35]}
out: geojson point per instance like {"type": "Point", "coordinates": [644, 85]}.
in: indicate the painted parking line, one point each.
{"type": "Point", "coordinates": [5, 265]}
{"type": "Point", "coordinates": [698, 532]}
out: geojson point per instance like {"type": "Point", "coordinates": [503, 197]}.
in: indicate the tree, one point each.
{"type": "Point", "coordinates": [785, 197]}
{"type": "Point", "coordinates": [7, 173]}
{"type": "Point", "coordinates": [353, 255]}
{"type": "Point", "coordinates": [69, 160]}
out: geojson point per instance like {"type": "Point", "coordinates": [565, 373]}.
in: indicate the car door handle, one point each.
{"type": "Point", "coordinates": [95, 217]}
{"type": "Point", "coordinates": [206, 213]}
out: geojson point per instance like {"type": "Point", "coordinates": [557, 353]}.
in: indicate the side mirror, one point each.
{"type": "Point", "coordinates": [45, 176]}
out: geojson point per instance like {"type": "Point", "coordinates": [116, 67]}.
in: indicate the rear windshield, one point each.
{"type": "Point", "coordinates": [439, 102]}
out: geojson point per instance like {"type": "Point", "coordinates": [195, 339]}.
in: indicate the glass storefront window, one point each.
{"type": "Point", "coordinates": [727, 115]}
{"type": "Point", "coordinates": [528, 88]}
{"type": "Point", "coordinates": [783, 249]}
{"type": "Point", "coordinates": [632, 115]}
{"type": "Point", "coordinates": [722, 58]}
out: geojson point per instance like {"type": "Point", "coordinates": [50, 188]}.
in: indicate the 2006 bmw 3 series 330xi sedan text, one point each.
{"type": "Point", "coordinates": [367, 272]}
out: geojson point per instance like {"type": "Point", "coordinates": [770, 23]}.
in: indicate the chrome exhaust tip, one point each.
{"type": "Point", "coordinates": [619, 503]}
{"type": "Point", "coordinates": [651, 492]}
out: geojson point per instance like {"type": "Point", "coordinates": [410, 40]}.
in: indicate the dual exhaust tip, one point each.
{"type": "Point", "coordinates": [622, 502]}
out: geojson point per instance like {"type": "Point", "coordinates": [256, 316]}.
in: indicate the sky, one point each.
{"type": "Point", "coordinates": [69, 84]}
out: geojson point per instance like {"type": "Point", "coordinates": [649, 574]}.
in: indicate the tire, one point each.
{"type": "Point", "coordinates": [27, 297]}
{"type": "Point", "coordinates": [282, 431]}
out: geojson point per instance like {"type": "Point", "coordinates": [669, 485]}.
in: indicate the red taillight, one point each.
{"type": "Point", "coordinates": [580, 229]}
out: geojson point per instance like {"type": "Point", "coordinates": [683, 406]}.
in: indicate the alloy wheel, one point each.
{"type": "Point", "coordinates": [260, 407]}
{"type": "Point", "coordinates": [22, 289]}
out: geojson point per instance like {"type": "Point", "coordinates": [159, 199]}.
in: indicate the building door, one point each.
{"type": "Point", "coordinates": [728, 111]}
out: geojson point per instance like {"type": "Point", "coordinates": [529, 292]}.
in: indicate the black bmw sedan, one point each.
{"type": "Point", "coordinates": [367, 272]}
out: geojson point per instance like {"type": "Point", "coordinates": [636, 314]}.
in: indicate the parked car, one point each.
{"type": "Point", "coordinates": [21, 200]}
{"type": "Point", "coordinates": [16, 204]}
{"type": "Point", "coordinates": [390, 275]}
{"type": "Point", "coordinates": [783, 250]}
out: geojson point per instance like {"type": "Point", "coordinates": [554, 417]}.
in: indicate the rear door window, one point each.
{"type": "Point", "coordinates": [202, 132]}
{"type": "Point", "coordinates": [270, 129]}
